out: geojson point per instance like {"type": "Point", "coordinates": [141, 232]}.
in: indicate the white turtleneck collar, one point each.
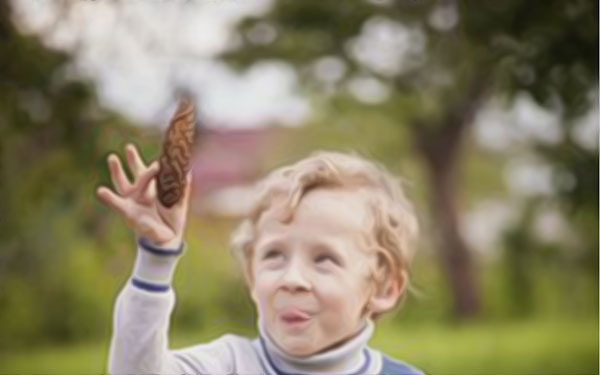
{"type": "Point", "coordinates": [351, 357]}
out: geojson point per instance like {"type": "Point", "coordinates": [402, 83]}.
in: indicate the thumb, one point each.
{"type": "Point", "coordinates": [187, 191]}
{"type": "Point", "coordinates": [182, 206]}
{"type": "Point", "coordinates": [188, 187]}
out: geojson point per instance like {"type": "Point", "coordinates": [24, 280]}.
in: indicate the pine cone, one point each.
{"type": "Point", "coordinates": [177, 153]}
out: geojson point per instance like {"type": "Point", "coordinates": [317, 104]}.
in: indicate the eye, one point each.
{"type": "Point", "coordinates": [272, 254]}
{"type": "Point", "coordinates": [321, 258]}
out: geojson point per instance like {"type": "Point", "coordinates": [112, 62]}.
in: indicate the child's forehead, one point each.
{"type": "Point", "coordinates": [325, 214]}
{"type": "Point", "coordinates": [336, 204]}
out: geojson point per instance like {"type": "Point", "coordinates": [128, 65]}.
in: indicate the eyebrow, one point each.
{"type": "Point", "coordinates": [273, 242]}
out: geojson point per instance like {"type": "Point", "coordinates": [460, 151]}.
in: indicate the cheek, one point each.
{"type": "Point", "coordinates": [262, 292]}
{"type": "Point", "coordinates": [343, 299]}
{"type": "Point", "coordinates": [340, 315]}
{"type": "Point", "coordinates": [335, 298]}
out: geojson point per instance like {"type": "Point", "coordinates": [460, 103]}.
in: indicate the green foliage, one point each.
{"type": "Point", "coordinates": [53, 140]}
{"type": "Point", "coordinates": [208, 282]}
{"type": "Point", "coordinates": [548, 48]}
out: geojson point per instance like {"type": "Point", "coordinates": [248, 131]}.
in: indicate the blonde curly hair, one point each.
{"type": "Point", "coordinates": [394, 226]}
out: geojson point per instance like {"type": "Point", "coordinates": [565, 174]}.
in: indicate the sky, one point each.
{"type": "Point", "coordinates": [134, 50]}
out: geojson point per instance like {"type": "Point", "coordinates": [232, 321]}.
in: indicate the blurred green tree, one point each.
{"type": "Point", "coordinates": [53, 139]}
{"type": "Point", "coordinates": [63, 255]}
{"type": "Point", "coordinates": [457, 54]}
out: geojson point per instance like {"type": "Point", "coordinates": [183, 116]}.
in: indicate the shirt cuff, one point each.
{"type": "Point", "coordinates": [155, 266]}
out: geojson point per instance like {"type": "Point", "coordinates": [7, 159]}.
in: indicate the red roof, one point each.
{"type": "Point", "coordinates": [229, 157]}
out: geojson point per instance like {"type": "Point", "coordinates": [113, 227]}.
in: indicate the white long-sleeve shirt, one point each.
{"type": "Point", "coordinates": [139, 343]}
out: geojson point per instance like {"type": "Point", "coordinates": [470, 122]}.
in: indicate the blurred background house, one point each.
{"type": "Point", "coordinates": [227, 164]}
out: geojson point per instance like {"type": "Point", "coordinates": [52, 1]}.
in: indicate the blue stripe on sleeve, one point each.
{"type": "Point", "coordinates": [149, 286]}
{"type": "Point", "coordinates": [145, 244]}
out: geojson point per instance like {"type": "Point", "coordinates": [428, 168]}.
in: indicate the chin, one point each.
{"type": "Point", "coordinates": [298, 347]}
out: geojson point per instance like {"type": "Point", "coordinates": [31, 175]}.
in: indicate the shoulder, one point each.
{"type": "Point", "coordinates": [392, 366]}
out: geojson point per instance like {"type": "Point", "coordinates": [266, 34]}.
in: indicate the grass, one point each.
{"type": "Point", "coordinates": [527, 347]}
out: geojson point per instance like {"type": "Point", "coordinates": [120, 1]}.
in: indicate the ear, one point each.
{"type": "Point", "coordinates": [385, 297]}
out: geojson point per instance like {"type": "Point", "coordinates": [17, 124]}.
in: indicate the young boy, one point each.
{"type": "Point", "coordinates": [325, 251]}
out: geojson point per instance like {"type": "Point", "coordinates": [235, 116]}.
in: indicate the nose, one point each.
{"type": "Point", "coordinates": [294, 279]}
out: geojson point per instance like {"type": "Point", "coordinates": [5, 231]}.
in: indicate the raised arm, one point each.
{"type": "Point", "coordinates": [139, 342]}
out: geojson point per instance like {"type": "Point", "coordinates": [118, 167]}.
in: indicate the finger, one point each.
{"type": "Point", "coordinates": [136, 163]}
{"type": "Point", "coordinates": [117, 175]}
{"type": "Point", "coordinates": [113, 200]}
{"type": "Point", "coordinates": [150, 193]}
{"type": "Point", "coordinates": [142, 182]}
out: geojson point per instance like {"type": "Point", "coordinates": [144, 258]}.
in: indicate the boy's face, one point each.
{"type": "Point", "coordinates": [311, 275]}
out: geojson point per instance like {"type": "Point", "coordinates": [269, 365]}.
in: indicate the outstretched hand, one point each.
{"type": "Point", "coordinates": [138, 202]}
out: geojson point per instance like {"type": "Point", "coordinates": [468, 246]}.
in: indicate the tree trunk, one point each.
{"type": "Point", "coordinates": [455, 255]}
{"type": "Point", "coordinates": [440, 146]}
